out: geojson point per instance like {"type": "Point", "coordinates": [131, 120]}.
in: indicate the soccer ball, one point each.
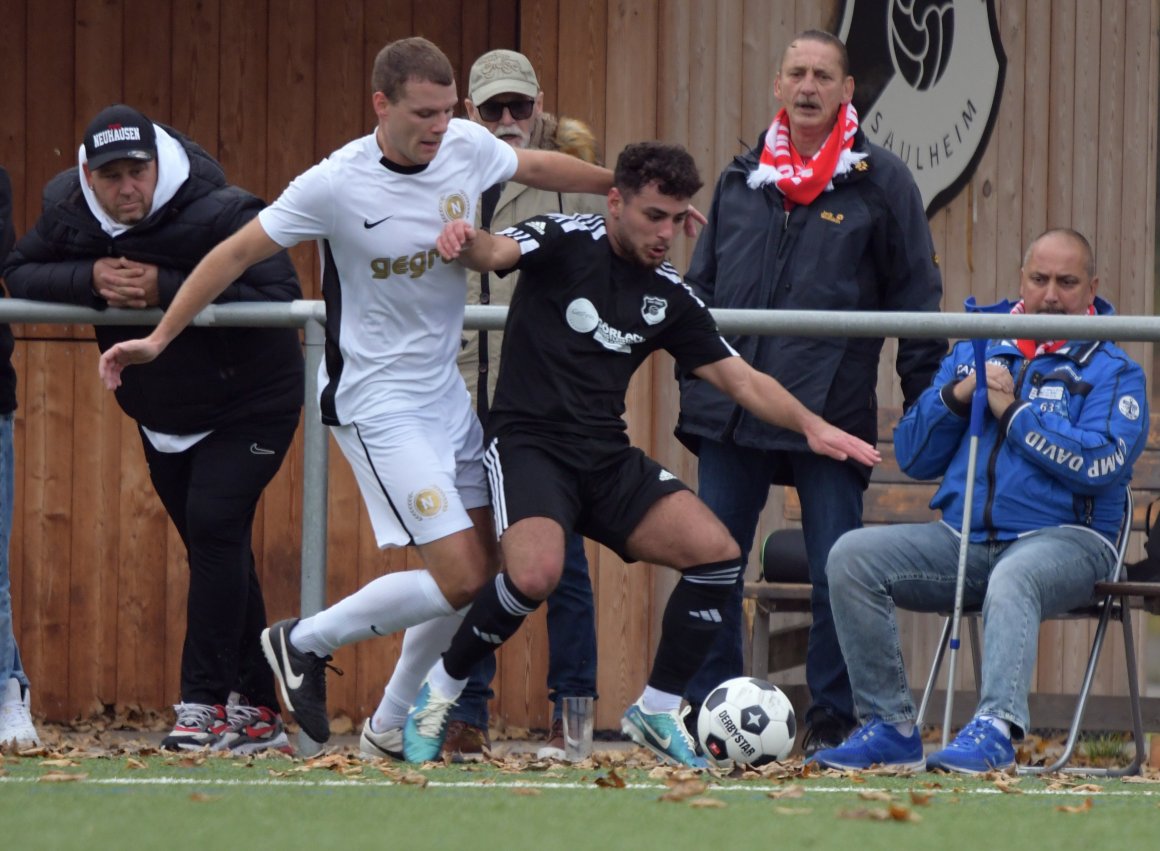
{"type": "Point", "coordinates": [746, 722]}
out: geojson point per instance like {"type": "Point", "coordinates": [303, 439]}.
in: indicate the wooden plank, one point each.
{"type": "Point", "coordinates": [52, 134]}
{"type": "Point", "coordinates": [48, 520]}
{"type": "Point", "coordinates": [242, 140]}
{"type": "Point", "coordinates": [92, 602]}
{"type": "Point", "coordinates": [581, 72]}
{"type": "Point", "coordinates": [98, 25]}
{"type": "Point", "coordinates": [1007, 143]}
{"type": "Point", "coordinates": [197, 71]}
{"type": "Point", "coordinates": [540, 42]}
{"type": "Point", "coordinates": [151, 616]}
{"type": "Point", "coordinates": [1038, 148]}
{"type": "Point", "coordinates": [13, 103]}
{"type": "Point", "coordinates": [147, 73]}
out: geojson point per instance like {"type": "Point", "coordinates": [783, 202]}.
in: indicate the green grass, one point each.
{"type": "Point", "coordinates": [240, 804]}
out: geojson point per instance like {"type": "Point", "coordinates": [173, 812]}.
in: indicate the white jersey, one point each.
{"type": "Point", "coordinates": [394, 308]}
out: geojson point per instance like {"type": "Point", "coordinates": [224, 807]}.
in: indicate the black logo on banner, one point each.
{"type": "Point", "coordinates": [928, 78]}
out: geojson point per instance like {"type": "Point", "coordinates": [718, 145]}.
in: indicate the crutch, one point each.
{"type": "Point", "coordinates": [978, 408]}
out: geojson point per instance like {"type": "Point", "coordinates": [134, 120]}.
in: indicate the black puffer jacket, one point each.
{"type": "Point", "coordinates": [208, 377]}
{"type": "Point", "coordinates": [865, 245]}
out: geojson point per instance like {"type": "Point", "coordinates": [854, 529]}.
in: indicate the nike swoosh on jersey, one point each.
{"type": "Point", "coordinates": [663, 741]}
{"type": "Point", "coordinates": [369, 224]}
{"type": "Point", "coordinates": [293, 680]}
{"type": "Point", "coordinates": [255, 449]}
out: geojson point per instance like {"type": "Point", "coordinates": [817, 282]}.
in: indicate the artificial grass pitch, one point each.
{"type": "Point", "coordinates": [97, 800]}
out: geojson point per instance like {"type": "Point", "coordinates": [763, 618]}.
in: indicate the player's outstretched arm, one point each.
{"type": "Point", "coordinates": [765, 397]}
{"type": "Point", "coordinates": [557, 172]}
{"type": "Point", "coordinates": [476, 249]}
{"type": "Point", "coordinates": [216, 271]}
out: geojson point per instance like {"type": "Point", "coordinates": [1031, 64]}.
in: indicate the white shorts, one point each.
{"type": "Point", "coordinates": [419, 471]}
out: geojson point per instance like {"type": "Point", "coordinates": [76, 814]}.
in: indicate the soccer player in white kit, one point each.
{"type": "Point", "coordinates": [390, 389]}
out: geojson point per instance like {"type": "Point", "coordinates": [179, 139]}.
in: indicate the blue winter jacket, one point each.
{"type": "Point", "coordinates": [1062, 454]}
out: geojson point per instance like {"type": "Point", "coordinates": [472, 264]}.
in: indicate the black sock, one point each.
{"type": "Point", "coordinates": [691, 620]}
{"type": "Point", "coordinates": [495, 616]}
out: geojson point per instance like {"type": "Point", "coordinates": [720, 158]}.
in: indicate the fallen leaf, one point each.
{"type": "Point", "coordinates": [414, 778]}
{"type": "Point", "coordinates": [788, 793]}
{"type": "Point", "coordinates": [1078, 808]}
{"type": "Point", "coordinates": [525, 791]}
{"type": "Point", "coordinates": [60, 777]}
{"type": "Point", "coordinates": [612, 781]}
{"type": "Point", "coordinates": [875, 795]}
{"type": "Point", "coordinates": [1089, 787]}
{"type": "Point", "coordinates": [133, 762]}
{"type": "Point", "coordinates": [682, 790]}
{"type": "Point", "coordinates": [203, 798]}
{"type": "Point", "coordinates": [920, 799]}
{"type": "Point", "coordinates": [792, 811]}
{"type": "Point", "coordinates": [60, 763]}
{"type": "Point", "coordinates": [872, 815]}
{"type": "Point", "coordinates": [707, 804]}
{"type": "Point", "coordinates": [1007, 788]}
{"type": "Point", "coordinates": [900, 813]}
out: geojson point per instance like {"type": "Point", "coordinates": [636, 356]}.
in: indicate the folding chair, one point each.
{"type": "Point", "coordinates": [1110, 601]}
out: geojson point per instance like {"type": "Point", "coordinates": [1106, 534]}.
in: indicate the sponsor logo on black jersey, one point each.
{"type": "Point", "coordinates": [583, 318]}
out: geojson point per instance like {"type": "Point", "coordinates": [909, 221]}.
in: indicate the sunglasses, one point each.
{"type": "Point", "coordinates": [492, 110]}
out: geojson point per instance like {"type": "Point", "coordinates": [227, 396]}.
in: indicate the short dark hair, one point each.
{"type": "Point", "coordinates": [409, 59]}
{"type": "Point", "coordinates": [671, 167]}
{"type": "Point", "coordinates": [825, 38]}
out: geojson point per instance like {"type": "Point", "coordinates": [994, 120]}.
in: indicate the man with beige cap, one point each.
{"type": "Point", "coordinates": [504, 96]}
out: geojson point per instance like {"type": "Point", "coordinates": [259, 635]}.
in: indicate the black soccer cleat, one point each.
{"type": "Point", "coordinates": [301, 677]}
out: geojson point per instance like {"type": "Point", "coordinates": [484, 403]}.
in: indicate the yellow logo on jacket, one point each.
{"type": "Point", "coordinates": [836, 218]}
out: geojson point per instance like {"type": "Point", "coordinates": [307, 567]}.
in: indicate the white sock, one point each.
{"type": "Point", "coordinates": [654, 701]}
{"type": "Point", "coordinates": [381, 607]}
{"type": "Point", "coordinates": [443, 684]}
{"type": "Point", "coordinates": [999, 724]}
{"type": "Point", "coordinates": [422, 645]}
{"type": "Point", "coordinates": [904, 728]}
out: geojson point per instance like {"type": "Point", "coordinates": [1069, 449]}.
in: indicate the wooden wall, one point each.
{"type": "Point", "coordinates": [269, 87]}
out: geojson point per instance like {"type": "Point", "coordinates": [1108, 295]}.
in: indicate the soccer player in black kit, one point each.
{"type": "Point", "coordinates": [596, 296]}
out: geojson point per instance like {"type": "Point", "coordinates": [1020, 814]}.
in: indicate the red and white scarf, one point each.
{"type": "Point", "coordinates": [1033, 348]}
{"type": "Point", "coordinates": [801, 181]}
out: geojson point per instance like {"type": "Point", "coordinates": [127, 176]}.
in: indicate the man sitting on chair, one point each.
{"type": "Point", "coordinates": [1066, 419]}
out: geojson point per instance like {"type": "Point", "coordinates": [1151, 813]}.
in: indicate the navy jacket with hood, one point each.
{"type": "Point", "coordinates": [864, 245]}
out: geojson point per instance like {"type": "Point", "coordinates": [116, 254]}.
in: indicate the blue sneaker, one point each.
{"type": "Point", "coordinates": [426, 726]}
{"type": "Point", "coordinates": [874, 743]}
{"type": "Point", "coordinates": [979, 747]}
{"type": "Point", "coordinates": [664, 734]}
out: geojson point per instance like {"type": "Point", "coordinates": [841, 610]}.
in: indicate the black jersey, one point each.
{"type": "Point", "coordinates": [581, 321]}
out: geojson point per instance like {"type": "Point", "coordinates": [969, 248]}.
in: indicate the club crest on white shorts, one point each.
{"type": "Point", "coordinates": [427, 503]}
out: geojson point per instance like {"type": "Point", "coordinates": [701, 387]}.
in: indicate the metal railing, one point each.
{"type": "Point", "coordinates": [311, 316]}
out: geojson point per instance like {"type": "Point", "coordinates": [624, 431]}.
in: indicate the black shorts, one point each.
{"type": "Point", "coordinates": [601, 489]}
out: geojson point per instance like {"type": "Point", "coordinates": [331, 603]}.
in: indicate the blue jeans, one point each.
{"type": "Point", "coordinates": [9, 654]}
{"type": "Point", "coordinates": [571, 643]}
{"type": "Point", "coordinates": [734, 482]}
{"type": "Point", "coordinates": [914, 566]}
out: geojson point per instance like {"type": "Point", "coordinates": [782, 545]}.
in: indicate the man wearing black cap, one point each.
{"type": "Point", "coordinates": [216, 412]}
